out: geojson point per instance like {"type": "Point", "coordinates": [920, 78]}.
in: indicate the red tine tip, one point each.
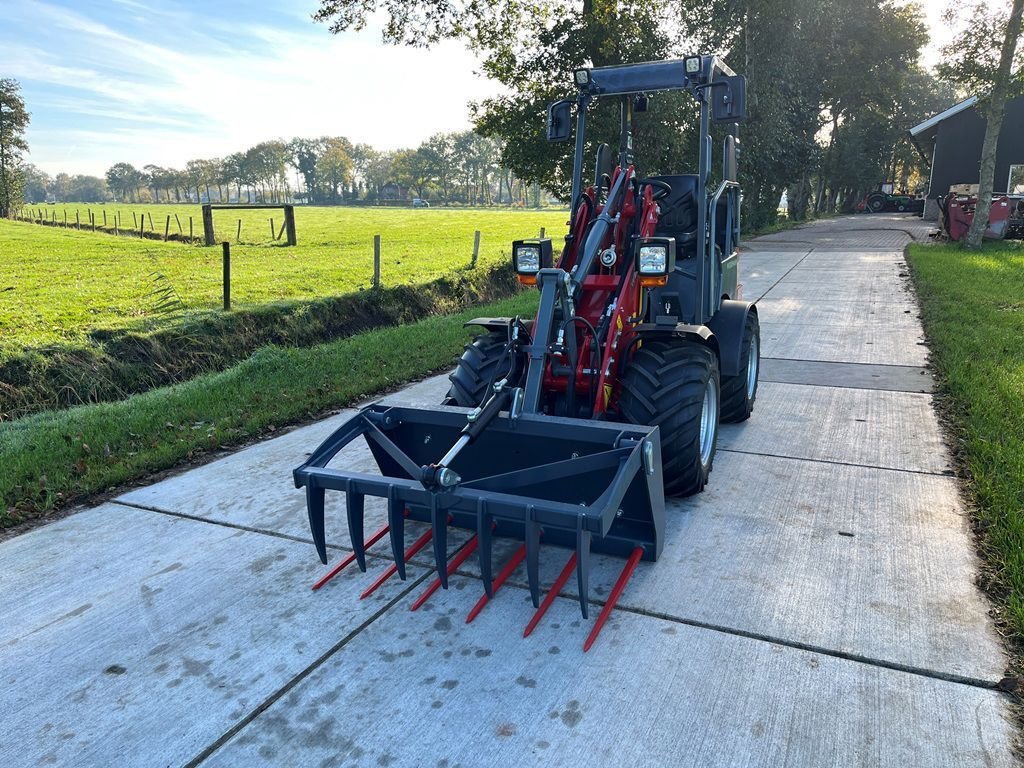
{"type": "Point", "coordinates": [507, 571]}
{"type": "Point", "coordinates": [549, 598]}
{"type": "Point", "coordinates": [613, 598]}
{"type": "Point", "coordinates": [392, 569]}
{"type": "Point", "coordinates": [351, 558]}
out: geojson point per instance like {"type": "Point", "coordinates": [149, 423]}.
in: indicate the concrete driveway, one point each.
{"type": "Point", "coordinates": [815, 606]}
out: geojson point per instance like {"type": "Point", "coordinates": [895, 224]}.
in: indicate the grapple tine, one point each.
{"type": "Point", "coordinates": [613, 598]}
{"type": "Point", "coordinates": [549, 598]}
{"type": "Point", "coordinates": [315, 510]}
{"type": "Point", "coordinates": [354, 503]}
{"type": "Point", "coordinates": [439, 527]}
{"type": "Point", "coordinates": [583, 566]}
{"type": "Point", "coordinates": [485, 540]}
{"type": "Point", "coordinates": [533, 557]}
{"type": "Point", "coordinates": [458, 560]}
{"type": "Point", "coordinates": [396, 520]}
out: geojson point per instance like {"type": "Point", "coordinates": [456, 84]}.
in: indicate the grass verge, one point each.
{"type": "Point", "coordinates": [53, 459]}
{"type": "Point", "coordinates": [117, 363]}
{"type": "Point", "coordinates": [973, 313]}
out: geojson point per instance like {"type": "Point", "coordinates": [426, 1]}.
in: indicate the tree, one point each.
{"type": "Point", "coordinates": [335, 167]}
{"type": "Point", "coordinates": [124, 180]}
{"type": "Point", "coordinates": [88, 189]}
{"type": "Point", "coordinates": [14, 119]}
{"type": "Point", "coordinates": [37, 183]}
{"type": "Point", "coordinates": [973, 65]}
{"type": "Point", "coordinates": [60, 187]}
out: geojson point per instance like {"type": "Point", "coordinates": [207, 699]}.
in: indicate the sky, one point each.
{"type": "Point", "coordinates": [162, 81]}
{"type": "Point", "coordinates": [166, 81]}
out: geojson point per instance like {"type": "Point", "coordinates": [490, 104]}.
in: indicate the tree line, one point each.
{"type": "Point", "coordinates": [833, 85]}
{"type": "Point", "coordinates": [449, 168]}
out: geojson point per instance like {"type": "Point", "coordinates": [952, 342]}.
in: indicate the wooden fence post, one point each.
{"type": "Point", "coordinates": [542, 233]}
{"type": "Point", "coordinates": [78, 221]}
{"type": "Point", "coordinates": [280, 232]}
{"type": "Point", "coordinates": [151, 227]}
{"type": "Point", "coordinates": [238, 237]}
{"type": "Point", "coordinates": [104, 218]}
{"type": "Point", "coordinates": [227, 274]}
{"type": "Point", "coordinates": [208, 234]}
{"type": "Point", "coordinates": [179, 224]}
{"type": "Point", "coordinates": [289, 223]}
{"type": "Point", "coordinates": [376, 261]}
{"type": "Point", "coordinates": [476, 248]}
{"type": "Point", "coordinates": [272, 230]}
{"type": "Point", "coordinates": [167, 228]}
{"type": "Point", "coordinates": [190, 229]}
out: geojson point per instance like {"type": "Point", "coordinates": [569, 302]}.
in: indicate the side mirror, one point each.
{"type": "Point", "coordinates": [560, 120]}
{"type": "Point", "coordinates": [729, 99]}
{"type": "Point", "coordinates": [730, 168]}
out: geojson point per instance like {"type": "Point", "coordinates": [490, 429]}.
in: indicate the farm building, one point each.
{"type": "Point", "coordinates": [950, 143]}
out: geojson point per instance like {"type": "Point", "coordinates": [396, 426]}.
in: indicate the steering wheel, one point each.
{"type": "Point", "coordinates": [662, 189]}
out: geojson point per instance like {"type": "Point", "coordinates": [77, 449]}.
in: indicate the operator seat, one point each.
{"type": "Point", "coordinates": [678, 217]}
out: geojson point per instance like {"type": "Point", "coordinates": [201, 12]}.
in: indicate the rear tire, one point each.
{"type": "Point", "coordinates": [876, 203]}
{"type": "Point", "coordinates": [740, 391]}
{"type": "Point", "coordinates": [483, 362]}
{"type": "Point", "coordinates": [675, 385]}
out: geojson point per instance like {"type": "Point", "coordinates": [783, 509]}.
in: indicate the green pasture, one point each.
{"type": "Point", "coordinates": [57, 284]}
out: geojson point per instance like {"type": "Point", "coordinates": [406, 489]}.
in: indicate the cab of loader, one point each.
{"type": "Point", "coordinates": [685, 203]}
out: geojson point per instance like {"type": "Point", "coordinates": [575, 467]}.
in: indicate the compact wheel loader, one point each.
{"type": "Point", "coordinates": [569, 429]}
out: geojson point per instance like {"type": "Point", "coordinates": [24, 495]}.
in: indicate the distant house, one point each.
{"type": "Point", "coordinates": [950, 143]}
{"type": "Point", "coordinates": [394, 191]}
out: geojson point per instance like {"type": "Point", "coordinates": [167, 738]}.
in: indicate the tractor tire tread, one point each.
{"type": "Point", "coordinates": [480, 361]}
{"type": "Point", "coordinates": [663, 384]}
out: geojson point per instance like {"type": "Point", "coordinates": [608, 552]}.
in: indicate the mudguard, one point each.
{"type": "Point", "coordinates": [727, 326]}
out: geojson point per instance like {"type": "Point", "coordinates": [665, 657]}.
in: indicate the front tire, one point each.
{"type": "Point", "coordinates": [740, 391]}
{"type": "Point", "coordinates": [675, 385]}
{"type": "Point", "coordinates": [484, 361]}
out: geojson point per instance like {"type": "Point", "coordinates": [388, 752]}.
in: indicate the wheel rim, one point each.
{"type": "Point", "coordinates": [708, 421]}
{"type": "Point", "coordinates": [753, 361]}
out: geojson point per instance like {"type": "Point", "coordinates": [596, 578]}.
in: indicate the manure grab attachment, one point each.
{"type": "Point", "coordinates": [569, 430]}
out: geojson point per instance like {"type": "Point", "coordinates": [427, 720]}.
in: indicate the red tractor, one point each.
{"type": "Point", "coordinates": [570, 428]}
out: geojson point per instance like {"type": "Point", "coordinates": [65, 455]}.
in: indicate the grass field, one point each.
{"type": "Point", "coordinates": [973, 313]}
{"type": "Point", "coordinates": [55, 458]}
{"type": "Point", "coordinates": [56, 285]}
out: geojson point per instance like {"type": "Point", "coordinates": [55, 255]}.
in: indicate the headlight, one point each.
{"type": "Point", "coordinates": [529, 257]}
{"type": "Point", "coordinates": [582, 77]}
{"type": "Point", "coordinates": [653, 259]}
{"type": "Point", "coordinates": [693, 65]}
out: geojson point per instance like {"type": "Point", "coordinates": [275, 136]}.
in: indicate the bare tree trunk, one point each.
{"type": "Point", "coordinates": [996, 111]}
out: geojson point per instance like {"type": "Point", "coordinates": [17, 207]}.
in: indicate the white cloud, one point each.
{"type": "Point", "coordinates": [166, 105]}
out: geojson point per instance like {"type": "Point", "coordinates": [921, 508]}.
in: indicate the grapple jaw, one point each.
{"type": "Point", "coordinates": [589, 486]}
